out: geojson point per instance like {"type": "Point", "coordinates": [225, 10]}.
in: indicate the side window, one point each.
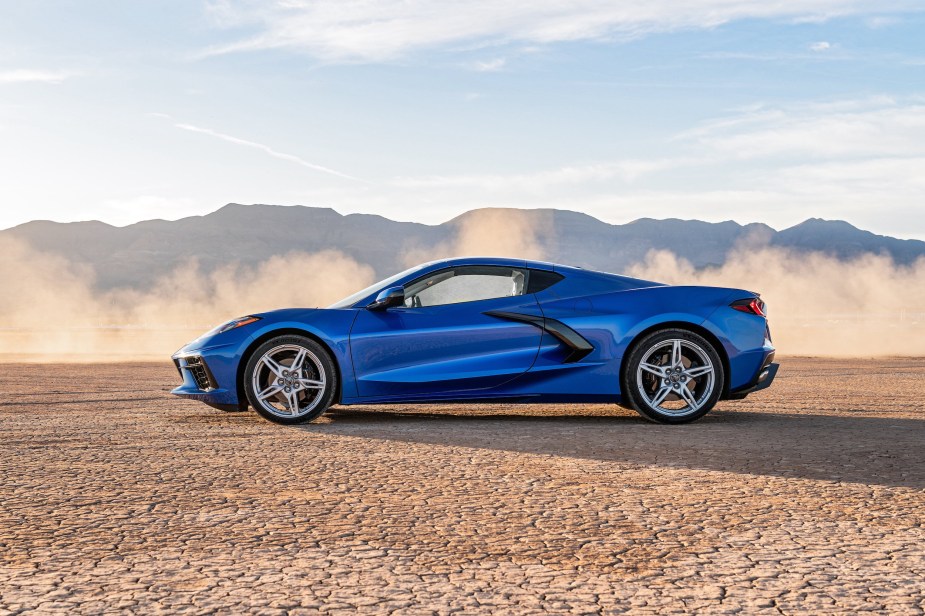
{"type": "Point", "coordinates": [540, 280]}
{"type": "Point", "coordinates": [465, 284]}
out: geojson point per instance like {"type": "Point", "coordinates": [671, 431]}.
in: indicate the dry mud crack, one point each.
{"type": "Point", "coordinates": [806, 498]}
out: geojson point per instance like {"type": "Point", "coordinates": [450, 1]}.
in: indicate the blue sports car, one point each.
{"type": "Point", "coordinates": [489, 329]}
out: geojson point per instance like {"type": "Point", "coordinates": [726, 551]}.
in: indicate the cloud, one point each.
{"type": "Point", "coordinates": [264, 148]}
{"type": "Point", "coordinates": [626, 170]}
{"type": "Point", "coordinates": [848, 159]}
{"type": "Point", "coordinates": [33, 76]}
{"type": "Point", "coordinates": [881, 21]}
{"type": "Point", "coordinates": [841, 159]}
{"type": "Point", "coordinates": [489, 66]}
{"type": "Point", "coordinates": [857, 159]}
{"type": "Point", "coordinates": [787, 56]}
{"type": "Point", "coordinates": [358, 30]}
{"type": "Point", "coordinates": [855, 128]}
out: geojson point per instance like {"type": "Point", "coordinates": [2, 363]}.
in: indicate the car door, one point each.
{"type": "Point", "coordinates": [441, 341]}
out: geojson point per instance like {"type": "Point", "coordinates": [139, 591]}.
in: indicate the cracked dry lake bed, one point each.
{"type": "Point", "coordinates": [808, 497]}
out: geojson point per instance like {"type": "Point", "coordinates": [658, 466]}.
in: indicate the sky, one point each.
{"type": "Point", "coordinates": [742, 110]}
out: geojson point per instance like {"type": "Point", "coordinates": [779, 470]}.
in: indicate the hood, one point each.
{"type": "Point", "coordinates": [284, 314]}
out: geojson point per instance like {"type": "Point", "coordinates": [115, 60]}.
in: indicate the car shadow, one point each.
{"type": "Point", "coordinates": [844, 448]}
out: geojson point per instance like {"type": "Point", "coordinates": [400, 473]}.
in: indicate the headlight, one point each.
{"type": "Point", "coordinates": [224, 327]}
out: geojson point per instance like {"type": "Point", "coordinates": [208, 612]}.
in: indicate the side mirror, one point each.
{"type": "Point", "coordinates": [393, 296]}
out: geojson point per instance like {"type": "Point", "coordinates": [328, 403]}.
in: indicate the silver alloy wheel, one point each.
{"type": "Point", "coordinates": [675, 377]}
{"type": "Point", "coordinates": [289, 381]}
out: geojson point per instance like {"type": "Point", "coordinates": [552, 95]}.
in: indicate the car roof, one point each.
{"type": "Point", "coordinates": [568, 270]}
{"type": "Point", "coordinates": [502, 261]}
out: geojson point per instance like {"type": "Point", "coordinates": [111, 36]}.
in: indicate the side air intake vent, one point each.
{"type": "Point", "coordinates": [200, 372]}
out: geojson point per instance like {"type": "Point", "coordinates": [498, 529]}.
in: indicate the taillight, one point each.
{"type": "Point", "coordinates": [752, 305]}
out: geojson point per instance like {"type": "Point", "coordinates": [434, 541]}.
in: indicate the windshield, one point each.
{"type": "Point", "coordinates": [347, 302]}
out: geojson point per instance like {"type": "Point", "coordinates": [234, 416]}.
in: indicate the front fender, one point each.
{"type": "Point", "coordinates": [226, 353]}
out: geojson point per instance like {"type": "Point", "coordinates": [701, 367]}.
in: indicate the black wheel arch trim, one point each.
{"type": "Point", "coordinates": [579, 347]}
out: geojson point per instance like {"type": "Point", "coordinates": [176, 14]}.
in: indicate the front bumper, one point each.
{"type": "Point", "coordinates": [200, 383]}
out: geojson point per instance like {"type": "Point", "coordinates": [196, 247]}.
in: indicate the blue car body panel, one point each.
{"type": "Point", "coordinates": [465, 349]}
{"type": "Point", "coordinates": [565, 343]}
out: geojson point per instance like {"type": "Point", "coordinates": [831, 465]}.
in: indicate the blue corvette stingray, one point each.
{"type": "Point", "coordinates": [487, 329]}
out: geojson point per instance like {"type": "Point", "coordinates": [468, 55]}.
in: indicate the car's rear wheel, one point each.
{"type": "Point", "coordinates": [290, 379]}
{"type": "Point", "coordinates": [673, 376]}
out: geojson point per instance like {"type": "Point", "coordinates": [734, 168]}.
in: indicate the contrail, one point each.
{"type": "Point", "coordinates": [266, 149]}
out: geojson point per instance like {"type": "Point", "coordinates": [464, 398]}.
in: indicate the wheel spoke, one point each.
{"type": "Point", "coordinates": [660, 395]}
{"type": "Point", "coordinates": [298, 361]}
{"type": "Point", "coordinates": [311, 384]}
{"type": "Point", "coordinates": [653, 369]}
{"type": "Point", "coordinates": [676, 353]}
{"type": "Point", "coordinates": [693, 373]}
{"type": "Point", "coordinates": [688, 397]}
{"type": "Point", "coordinates": [274, 367]}
{"type": "Point", "coordinates": [293, 398]}
{"type": "Point", "coordinates": [273, 389]}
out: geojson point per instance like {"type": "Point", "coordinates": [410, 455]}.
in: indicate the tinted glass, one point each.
{"type": "Point", "coordinates": [541, 279]}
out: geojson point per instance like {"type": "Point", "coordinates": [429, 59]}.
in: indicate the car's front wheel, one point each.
{"type": "Point", "coordinates": [673, 376]}
{"type": "Point", "coordinates": [290, 379]}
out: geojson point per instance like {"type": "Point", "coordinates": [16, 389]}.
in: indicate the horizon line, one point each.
{"type": "Point", "coordinates": [449, 220]}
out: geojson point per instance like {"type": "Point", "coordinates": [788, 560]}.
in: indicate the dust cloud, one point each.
{"type": "Point", "coordinates": [818, 305]}
{"type": "Point", "coordinates": [51, 311]}
{"type": "Point", "coordinates": [492, 232]}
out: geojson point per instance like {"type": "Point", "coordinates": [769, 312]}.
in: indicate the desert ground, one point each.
{"type": "Point", "coordinates": [808, 497]}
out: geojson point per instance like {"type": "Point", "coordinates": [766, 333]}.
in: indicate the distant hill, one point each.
{"type": "Point", "coordinates": [137, 254]}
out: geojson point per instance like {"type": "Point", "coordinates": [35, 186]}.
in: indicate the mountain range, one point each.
{"type": "Point", "coordinates": [137, 254]}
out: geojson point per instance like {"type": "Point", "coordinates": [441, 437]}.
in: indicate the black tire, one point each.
{"type": "Point", "coordinates": [317, 368]}
{"type": "Point", "coordinates": [642, 388]}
